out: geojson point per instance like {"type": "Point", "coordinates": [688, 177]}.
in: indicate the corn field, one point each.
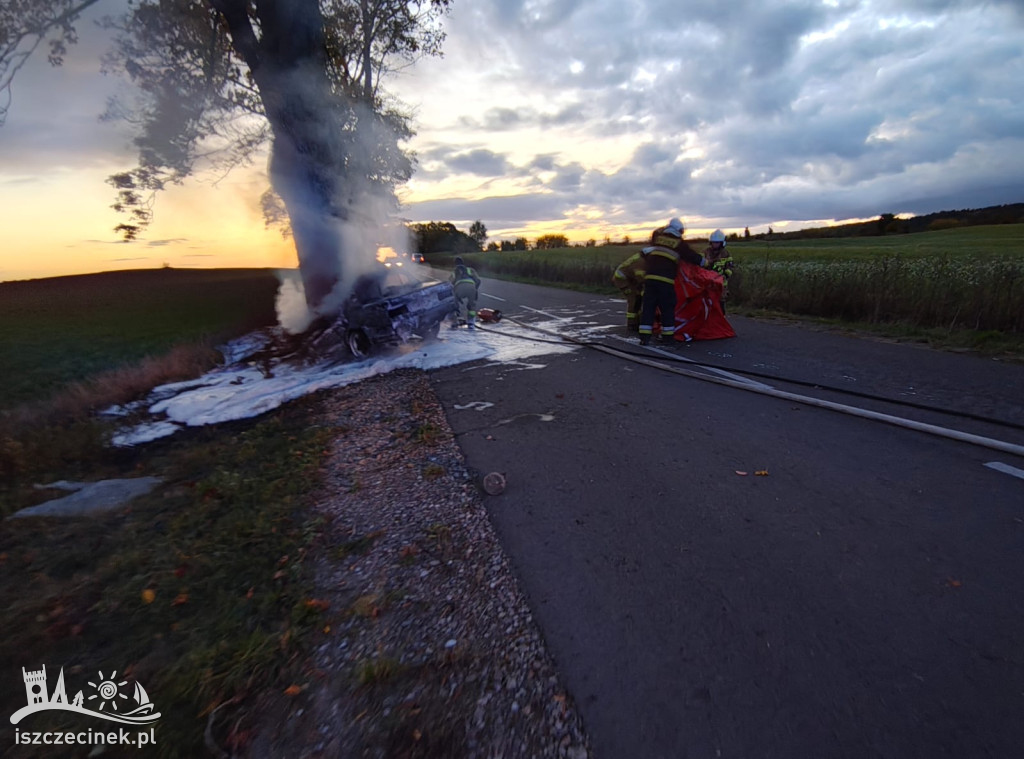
{"type": "Point", "coordinates": [981, 295]}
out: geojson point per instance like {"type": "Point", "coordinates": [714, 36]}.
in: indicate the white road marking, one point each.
{"type": "Point", "coordinates": [495, 297]}
{"type": "Point", "coordinates": [475, 405]}
{"type": "Point", "coordinates": [547, 314]}
{"type": "Point", "coordinates": [999, 466]}
{"type": "Point", "coordinates": [541, 417]}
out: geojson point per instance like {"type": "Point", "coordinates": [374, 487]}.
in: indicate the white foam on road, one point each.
{"type": "Point", "coordinates": [242, 390]}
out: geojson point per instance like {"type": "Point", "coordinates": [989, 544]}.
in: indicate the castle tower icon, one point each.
{"type": "Point", "coordinates": [35, 686]}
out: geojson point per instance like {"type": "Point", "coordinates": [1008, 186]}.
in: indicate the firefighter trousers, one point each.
{"type": "Point", "coordinates": [661, 296]}
{"type": "Point", "coordinates": [634, 302]}
{"type": "Point", "coordinates": [465, 298]}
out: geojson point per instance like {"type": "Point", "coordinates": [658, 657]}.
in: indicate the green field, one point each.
{"type": "Point", "coordinates": [61, 330]}
{"type": "Point", "coordinates": [960, 279]}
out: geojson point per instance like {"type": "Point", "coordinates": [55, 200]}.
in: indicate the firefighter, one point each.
{"type": "Point", "coordinates": [629, 278]}
{"type": "Point", "coordinates": [466, 284]}
{"type": "Point", "coordinates": [661, 262]}
{"type": "Point", "coordinates": [718, 260]}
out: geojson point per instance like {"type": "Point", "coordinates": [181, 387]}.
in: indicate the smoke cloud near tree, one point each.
{"type": "Point", "coordinates": [340, 212]}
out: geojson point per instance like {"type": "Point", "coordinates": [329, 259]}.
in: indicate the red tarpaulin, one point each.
{"type": "Point", "coordinates": [699, 313]}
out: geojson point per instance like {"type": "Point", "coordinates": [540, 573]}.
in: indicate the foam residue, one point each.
{"type": "Point", "coordinates": [243, 390]}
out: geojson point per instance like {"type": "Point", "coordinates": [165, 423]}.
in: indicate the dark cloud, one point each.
{"type": "Point", "coordinates": [481, 162]}
{"type": "Point", "coordinates": [783, 110]}
{"type": "Point", "coordinates": [497, 212]}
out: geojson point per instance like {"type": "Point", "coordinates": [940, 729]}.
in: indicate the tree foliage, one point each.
{"type": "Point", "coordinates": [552, 241]}
{"type": "Point", "coordinates": [478, 232]}
{"type": "Point", "coordinates": [442, 237]}
{"type": "Point", "coordinates": [24, 24]}
{"type": "Point", "coordinates": [213, 71]}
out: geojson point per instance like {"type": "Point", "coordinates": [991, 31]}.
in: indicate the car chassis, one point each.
{"type": "Point", "coordinates": [387, 309]}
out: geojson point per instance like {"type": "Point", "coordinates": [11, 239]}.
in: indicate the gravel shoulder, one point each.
{"type": "Point", "coordinates": [428, 646]}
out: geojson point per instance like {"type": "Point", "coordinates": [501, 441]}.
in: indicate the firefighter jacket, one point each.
{"type": "Point", "coordinates": [464, 273]}
{"type": "Point", "coordinates": [662, 258]}
{"type": "Point", "coordinates": [724, 265]}
{"type": "Point", "coordinates": [629, 275]}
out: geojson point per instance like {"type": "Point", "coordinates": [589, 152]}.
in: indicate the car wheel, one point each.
{"type": "Point", "coordinates": [358, 343]}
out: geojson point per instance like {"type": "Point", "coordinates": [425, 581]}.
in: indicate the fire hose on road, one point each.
{"type": "Point", "coordinates": [931, 429]}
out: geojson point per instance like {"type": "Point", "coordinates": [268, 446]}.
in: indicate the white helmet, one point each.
{"type": "Point", "coordinates": [718, 236]}
{"type": "Point", "coordinates": [674, 227]}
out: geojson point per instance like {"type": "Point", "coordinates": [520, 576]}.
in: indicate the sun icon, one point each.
{"type": "Point", "coordinates": [108, 690]}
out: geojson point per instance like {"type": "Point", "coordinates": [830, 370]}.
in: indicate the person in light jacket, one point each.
{"type": "Point", "coordinates": [466, 285]}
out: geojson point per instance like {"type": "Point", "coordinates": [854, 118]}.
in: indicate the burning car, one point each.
{"type": "Point", "coordinates": [388, 306]}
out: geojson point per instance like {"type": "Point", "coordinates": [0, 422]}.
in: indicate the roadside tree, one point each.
{"type": "Point", "coordinates": [223, 79]}
{"type": "Point", "coordinates": [546, 242]}
{"type": "Point", "coordinates": [441, 237]}
{"type": "Point", "coordinates": [478, 232]}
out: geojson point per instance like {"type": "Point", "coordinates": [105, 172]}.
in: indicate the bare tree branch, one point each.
{"type": "Point", "coordinates": [23, 26]}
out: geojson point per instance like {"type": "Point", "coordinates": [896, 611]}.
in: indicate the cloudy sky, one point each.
{"type": "Point", "coordinates": [595, 118]}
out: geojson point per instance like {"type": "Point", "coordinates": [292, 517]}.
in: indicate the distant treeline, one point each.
{"type": "Point", "coordinates": [888, 224]}
{"type": "Point", "coordinates": [443, 237]}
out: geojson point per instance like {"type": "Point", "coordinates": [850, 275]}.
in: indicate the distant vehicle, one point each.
{"type": "Point", "coordinates": [418, 258]}
{"type": "Point", "coordinates": [387, 306]}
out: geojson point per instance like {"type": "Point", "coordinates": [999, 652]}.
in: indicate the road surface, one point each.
{"type": "Point", "coordinates": [863, 598]}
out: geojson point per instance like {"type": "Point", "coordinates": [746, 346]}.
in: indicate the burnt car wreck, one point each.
{"type": "Point", "coordinates": [388, 306]}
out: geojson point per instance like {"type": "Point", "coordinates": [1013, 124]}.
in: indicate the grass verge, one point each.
{"type": "Point", "coordinates": [200, 591]}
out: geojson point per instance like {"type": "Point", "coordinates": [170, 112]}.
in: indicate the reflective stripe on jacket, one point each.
{"type": "Point", "coordinates": [630, 273]}
{"type": "Point", "coordinates": [660, 263]}
{"type": "Point", "coordinates": [464, 273]}
{"type": "Point", "coordinates": [723, 266]}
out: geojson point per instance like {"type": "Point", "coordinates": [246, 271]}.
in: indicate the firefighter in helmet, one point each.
{"type": "Point", "coordinates": [661, 262]}
{"type": "Point", "coordinates": [718, 260]}
{"type": "Point", "coordinates": [629, 278]}
{"type": "Point", "coordinates": [465, 284]}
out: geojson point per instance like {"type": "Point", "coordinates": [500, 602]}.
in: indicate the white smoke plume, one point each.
{"type": "Point", "coordinates": [293, 315]}
{"type": "Point", "coordinates": [341, 206]}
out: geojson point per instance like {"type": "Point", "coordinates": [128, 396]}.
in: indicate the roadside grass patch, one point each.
{"type": "Point", "coordinates": [433, 471]}
{"type": "Point", "coordinates": [200, 590]}
{"type": "Point", "coordinates": [428, 433]}
{"type": "Point", "coordinates": [378, 670]}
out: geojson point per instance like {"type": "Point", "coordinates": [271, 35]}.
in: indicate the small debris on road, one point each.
{"type": "Point", "coordinates": [494, 483]}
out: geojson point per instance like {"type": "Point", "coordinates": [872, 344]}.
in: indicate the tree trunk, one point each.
{"type": "Point", "coordinates": [308, 159]}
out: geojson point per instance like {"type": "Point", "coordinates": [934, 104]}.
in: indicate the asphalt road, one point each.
{"type": "Point", "coordinates": [864, 598]}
